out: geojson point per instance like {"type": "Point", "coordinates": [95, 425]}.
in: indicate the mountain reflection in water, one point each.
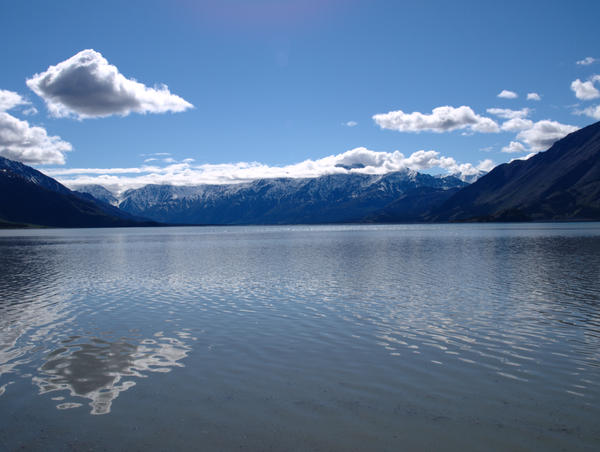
{"type": "Point", "coordinates": [49, 330]}
{"type": "Point", "coordinates": [99, 370]}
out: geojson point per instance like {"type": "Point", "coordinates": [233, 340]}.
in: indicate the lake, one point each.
{"type": "Point", "coordinates": [321, 338]}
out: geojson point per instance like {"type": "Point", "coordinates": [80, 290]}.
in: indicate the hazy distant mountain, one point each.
{"type": "Point", "coordinates": [98, 192]}
{"type": "Point", "coordinates": [327, 199]}
{"type": "Point", "coordinates": [29, 197]}
{"type": "Point", "coordinates": [559, 184]}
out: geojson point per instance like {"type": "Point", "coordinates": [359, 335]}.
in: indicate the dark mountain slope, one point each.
{"type": "Point", "coordinates": [32, 175]}
{"type": "Point", "coordinates": [411, 207]}
{"type": "Point", "coordinates": [562, 183]}
{"type": "Point", "coordinates": [29, 197]}
{"type": "Point", "coordinates": [110, 209]}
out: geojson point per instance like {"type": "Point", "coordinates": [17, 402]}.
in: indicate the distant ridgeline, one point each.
{"type": "Point", "coordinates": [340, 198]}
{"type": "Point", "coordinates": [562, 183]}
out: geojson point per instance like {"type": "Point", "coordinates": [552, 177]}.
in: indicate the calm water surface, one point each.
{"type": "Point", "coordinates": [437, 337]}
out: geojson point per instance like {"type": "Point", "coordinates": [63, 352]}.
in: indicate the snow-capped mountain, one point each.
{"type": "Point", "coordinates": [99, 192]}
{"type": "Point", "coordinates": [325, 199]}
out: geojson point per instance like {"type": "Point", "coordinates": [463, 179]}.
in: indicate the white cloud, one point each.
{"type": "Point", "coordinates": [537, 136]}
{"type": "Point", "coordinates": [351, 124]}
{"type": "Point", "coordinates": [486, 165]}
{"type": "Point", "coordinates": [441, 119]}
{"type": "Point", "coordinates": [542, 134]}
{"type": "Point", "coordinates": [506, 94]}
{"type": "Point", "coordinates": [515, 118]}
{"type": "Point", "coordinates": [592, 112]}
{"type": "Point", "coordinates": [587, 61]}
{"type": "Point", "coordinates": [359, 160]}
{"type": "Point", "coordinates": [87, 86]}
{"type": "Point", "coordinates": [10, 99]}
{"type": "Point", "coordinates": [30, 144]}
{"type": "Point", "coordinates": [516, 124]}
{"type": "Point", "coordinates": [586, 90]}
{"type": "Point", "coordinates": [507, 113]}
{"type": "Point", "coordinates": [514, 146]}
{"type": "Point", "coordinates": [533, 96]}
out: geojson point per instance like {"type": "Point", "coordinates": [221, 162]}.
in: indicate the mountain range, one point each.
{"type": "Point", "coordinates": [562, 183]}
{"type": "Point", "coordinates": [339, 198]}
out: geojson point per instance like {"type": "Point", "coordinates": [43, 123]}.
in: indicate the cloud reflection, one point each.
{"type": "Point", "coordinates": [99, 370]}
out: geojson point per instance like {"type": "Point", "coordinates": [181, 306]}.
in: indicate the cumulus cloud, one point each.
{"type": "Point", "coordinates": [506, 94]}
{"type": "Point", "coordinates": [586, 90]}
{"type": "Point", "coordinates": [10, 99]}
{"type": "Point", "coordinates": [516, 124]}
{"type": "Point", "coordinates": [592, 112]}
{"type": "Point", "coordinates": [533, 96]}
{"type": "Point", "coordinates": [513, 147]}
{"type": "Point", "coordinates": [542, 134]}
{"type": "Point", "coordinates": [87, 86]}
{"type": "Point", "coordinates": [30, 144]}
{"type": "Point", "coordinates": [532, 136]}
{"type": "Point", "coordinates": [441, 119]}
{"type": "Point", "coordinates": [537, 136]}
{"type": "Point", "coordinates": [515, 118]}
{"type": "Point", "coordinates": [351, 124]}
{"type": "Point", "coordinates": [586, 61]}
{"type": "Point", "coordinates": [359, 160]}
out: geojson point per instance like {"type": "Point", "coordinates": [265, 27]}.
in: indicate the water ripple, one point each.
{"type": "Point", "coordinates": [369, 331]}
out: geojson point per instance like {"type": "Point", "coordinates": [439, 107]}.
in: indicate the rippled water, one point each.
{"type": "Point", "coordinates": [438, 337]}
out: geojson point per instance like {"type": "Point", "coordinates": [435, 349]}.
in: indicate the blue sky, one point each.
{"type": "Point", "coordinates": [283, 82]}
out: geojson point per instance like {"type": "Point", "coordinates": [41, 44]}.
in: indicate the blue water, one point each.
{"type": "Point", "coordinates": [421, 337]}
